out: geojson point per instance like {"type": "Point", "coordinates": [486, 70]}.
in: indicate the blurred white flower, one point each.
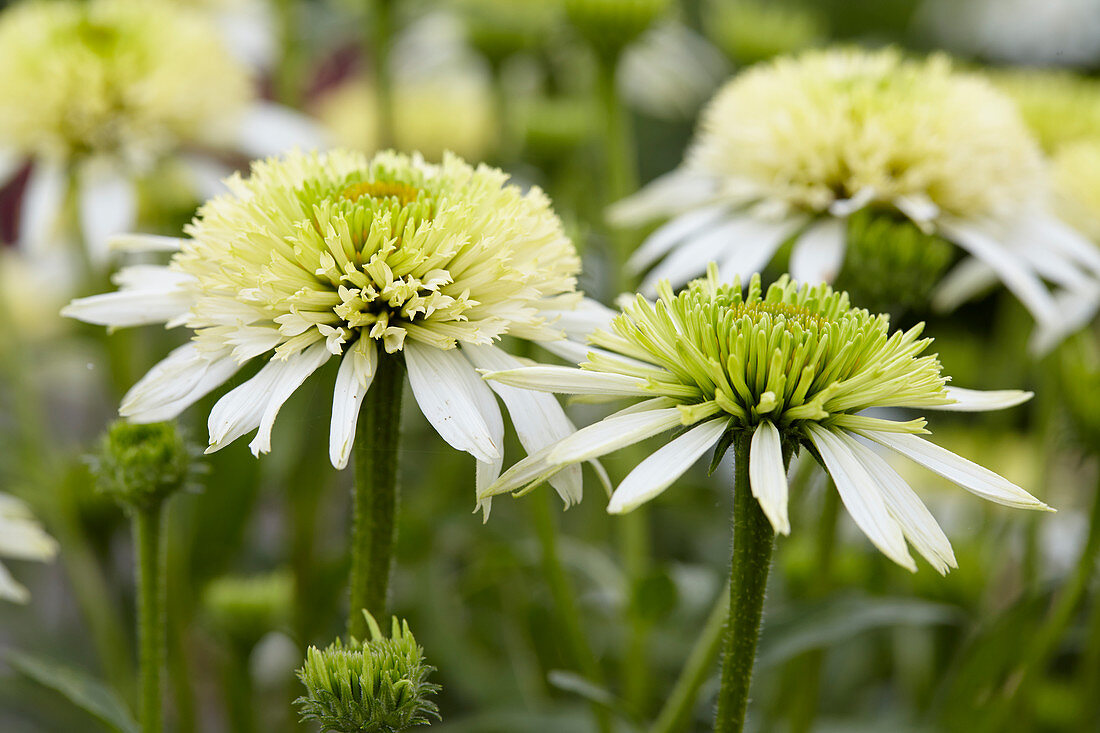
{"type": "Point", "coordinates": [792, 148]}
{"type": "Point", "coordinates": [118, 85]}
{"type": "Point", "coordinates": [21, 538]}
{"type": "Point", "coordinates": [670, 71]}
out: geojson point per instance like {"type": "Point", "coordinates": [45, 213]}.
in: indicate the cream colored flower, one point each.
{"type": "Point", "coordinates": [21, 538]}
{"type": "Point", "coordinates": [95, 93]}
{"type": "Point", "coordinates": [790, 149]}
{"type": "Point", "coordinates": [320, 256]}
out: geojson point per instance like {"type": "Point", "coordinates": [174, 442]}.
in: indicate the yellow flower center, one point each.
{"type": "Point", "coordinates": [403, 192]}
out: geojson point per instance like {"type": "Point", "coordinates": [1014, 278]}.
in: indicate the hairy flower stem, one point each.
{"type": "Point", "coordinates": [676, 712]}
{"type": "Point", "coordinates": [379, 38]}
{"type": "Point", "coordinates": [152, 609]}
{"type": "Point", "coordinates": [753, 540]}
{"type": "Point", "coordinates": [374, 501]}
{"type": "Point", "coordinates": [566, 602]}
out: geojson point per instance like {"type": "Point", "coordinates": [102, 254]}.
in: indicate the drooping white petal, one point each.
{"type": "Point", "coordinates": [1049, 231]}
{"type": "Point", "coordinates": [531, 471]}
{"type": "Point", "coordinates": [175, 383]}
{"type": "Point", "coordinates": [849, 206]}
{"type": "Point", "coordinates": [11, 589]}
{"type": "Point", "coordinates": [268, 129]}
{"type": "Point", "coordinates": [768, 477]}
{"type": "Point", "coordinates": [567, 349]}
{"type": "Point", "coordinates": [145, 243]}
{"type": "Point", "coordinates": [487, 472]}
{"type": "Point", "coordinates": [972, 477]}
{"type": "Point", "coordinates": [1013, 272]}
{"type": "Point", "coordinates": [966, 280]}
{"type": "Point", "coordinates": [920, 209]}
{"type": "Point", "coordinates": [918, 524]}
{"type": "Point", "coordinates": [613, 433]}
{"type": "Point", "coordinates": [448, 392]}
{"type": "Point", "coordinates": [862, 496]}
{"type": "Point", "coordinates": [24, 539]}
{"type": "Point", "coordinates": [659, 470]}
{"type": "Point", "coordinates": [1077, 309]}
{"type": "Point", "coordinates": [690, 258]}
{"type": "Point", "coordinates": [43, 198]}
{"type": "Point", "coordinates": [353, 379]}
{"type": "Point", "coordinates": [819, 251]}
{"type": "Point", "coordinates": [107, 203]}
{"type": "Point", "coordinates": [977, 400]}
{"type": "Point", "coordinates": [537, 416]}
{"type": "Point", "coordinates": [579, 322]}
{"type": "Point", "coordinates": [567, 380]}
{"type": "Point", "coordinates": [672, 193]}
{"type": "Point", "coordinates": [756, 244]}
{"type": "Point", "coordinates": [667, 236]}
{"type": "Point", "coordinates": [298, 368]}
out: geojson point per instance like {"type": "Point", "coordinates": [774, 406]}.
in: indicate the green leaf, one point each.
{"type": "Point", "coordinates": [839, 619]}
{"type": "Point", "coordinates": [81, 689]}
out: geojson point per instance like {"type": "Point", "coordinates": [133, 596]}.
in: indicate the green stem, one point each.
{"type": "Point", "coordinates": [152, 608]}
{"type": "Point", "coordinates": [566, 601]}
{"type": "Point", "coordinates": [753, 540]}
{"type": "Point", "coordinates": [287, 72]}
{"type": "Point", "coordinates": [379, 35]}
{"type": "Point", "coordinates": [621, 173]}
{"type": "Point", "coordinates": [808, 675]}
{"type": "Point", "coordinates": [374, 501]}
{"type": "Point", "coordinates": [1045, 642]}
{"type": "Point", "coordinates": [681, 701]}
{"type": "Point", "coordinates": [634, 542]}
{"type": "Point", "coordinates": [238, 690]}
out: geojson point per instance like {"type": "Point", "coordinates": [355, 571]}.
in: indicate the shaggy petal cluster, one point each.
{"type": "Point", "coordinates": [21, 538]}
{"type": "Point", "coordinates": [315, 257]}
{"type": "Point", "coordinates": [1060, 107]}
{"type": "Point", "coordinates": [128, 77]}
{"type": "Point", "coordinates": [795, 366]}
{"type": "Point", "coordinates": [788, 150]}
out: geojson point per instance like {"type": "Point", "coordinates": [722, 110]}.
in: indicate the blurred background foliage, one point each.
{"type": "Point", "coordinates": [258, 556]}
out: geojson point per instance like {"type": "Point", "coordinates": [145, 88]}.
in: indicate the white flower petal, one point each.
{"type": "Point", "coordinates": [757, 242]}
{"type": "Point", "coordinates": [175, 383]}
{"type": "Point", "coordinates": [24, 539]}
{"type": "Point", "coordinates": [1049, 231]}
{"type": "Point", "coordinates": [43, 199]}
{"type": "Point", "coordinates": [659, 470]}
{"type": "Point", "coordinates": [976, 400]}
{"type": "Point", "coordinates": [447, 389]}
{"type": "Point", "coordinates": [10, 589]}
{"type": "Point", "coordinates": [862, 496]}
{"type": "Point", "coordinates": [1013, 272]}
{"type": "Point", "coordinates": [672, 193]}
{"type": "Point", "coordinates": [667, 236]}
{"type": "Point", "coordinates": [918, 524]}
{"type": "Point", "coordinates": [108, 206]}
{"type": "Point", "coordinates": [298, 368]}
{"type": "Point", "coordinates": [972, 477]}
{"type": "Point", "coordinates": [537, 416]}
{"type": "Point", "coordinates": [149, 294]}
{"type": "Point", "coordinates": [920, 209]}
{"type": "Point", "coordinates": [567, 349]}
{"type": "Point", "coordinates": [613, 433]}
{"type": "Point", "coordinates": [567, 380]}
{"type": "Point", "coordinates": [692, 256]}
{"type": "Point", "coordinates": [768, 477]}
{"type": "Point", "coordinates": [819, 251]}
{"type": "Point", "coordinates": [353, 380]}
{"type": "Point", "coordinates": [849, 206]}
{"type": "Point", "coordinates": [965, 281]}
{"type": "Point", "coordinates": [270, 129]}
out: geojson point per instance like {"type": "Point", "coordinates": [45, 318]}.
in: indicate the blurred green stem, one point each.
{"type": "Point", "coordinates": [374, 500]}
{"type": "Point", "coordinates": [288, 72]}
{"type": "Point", "coordinates": [803, 710]}
{"type": "Point", "coordinates": [1045, 642]}
{"type": "Point", "coordinates": [675, 714]}
{"type": "Point", "coordinates": [238, 690]}
{"type": "Point", "coordinates": [379, 37]}
{"type": "Point", "coordinates": [753, 540]}
{"type": "Point", "coordinates": [152, 609]}
{"type": "Point", "coordinates": [620, 169]}
{"type": "Point", "coordinates": [566, 601]}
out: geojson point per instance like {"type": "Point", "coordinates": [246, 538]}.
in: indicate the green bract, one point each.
{"type": "Point", "coordinates": [142, 465]}
{"type": "Point", "coordinates": [377, 686]}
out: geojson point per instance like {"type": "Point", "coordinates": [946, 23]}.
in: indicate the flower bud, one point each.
{"type": "Point", "coordinates": [141, 465]}
{"type": "Point", "coordinates": [611, 25]}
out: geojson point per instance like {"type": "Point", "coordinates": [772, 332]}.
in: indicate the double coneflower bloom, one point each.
{"type": "Point", "coordinates": [337, 256]}
{"type": "Point", "coordinates": [786, 151]}
{"type": "Point", "coordinates": [794, 367]}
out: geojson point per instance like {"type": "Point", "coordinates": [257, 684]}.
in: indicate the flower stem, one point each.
{"type": "Point", "coordinates": [374, 499]}
{"type": "Point", "coordinates": [753, 539]}
{"type": "Point", "coordinates": [621, 177]}
{"type": "Point", "coordinates": [152, 607]}
{"type": "Point", "coordinates": [674, 715]}
{"type": "Point", "coordinates": [379, 36]}
{"type": "Point", "coordinates": [566, 601]}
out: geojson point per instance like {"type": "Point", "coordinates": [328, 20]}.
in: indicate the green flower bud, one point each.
{"type": "Point", "coordinates": [246, 608]}
{"type": "Point", "coordinates": [750, 31]}
{"type": "Point", "coordinates": [611, 25]}
{"type": "Point", "coordinates": [503, 28]}
{"type": "Point", "coordinates": [140, 466]}
{"type": "Point", "coordinates": [376, 686]}
{"type": "Point", "coordinates": [553, 126]}
{"type": "Point", "coordinates": [890, 265]}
